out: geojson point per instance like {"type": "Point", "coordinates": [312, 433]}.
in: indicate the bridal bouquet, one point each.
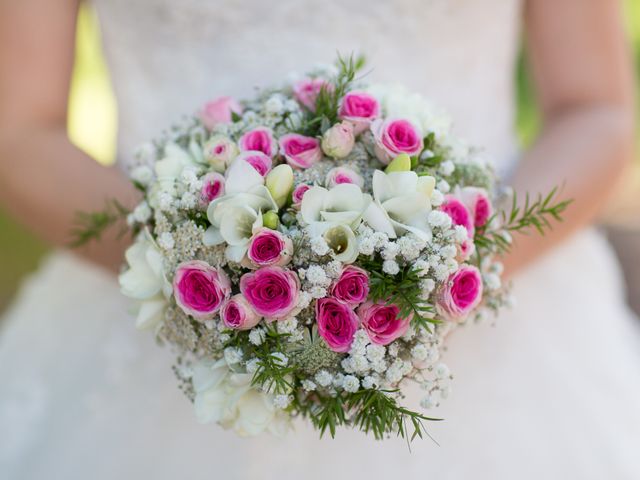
{"type": "Point", "coordinates": [306, 251]}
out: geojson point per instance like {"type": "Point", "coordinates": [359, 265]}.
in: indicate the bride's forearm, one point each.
{"type": "Point", "coordinates": [45, 181]}
{"type": "Point", "coordinates": [583, 150]}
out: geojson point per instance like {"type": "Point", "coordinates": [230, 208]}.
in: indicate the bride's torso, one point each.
{"type": "Point", "coordinates": [166, 58]}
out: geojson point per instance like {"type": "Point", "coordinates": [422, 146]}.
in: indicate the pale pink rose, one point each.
{"type": "Point", "coordinates": [271, 291]}
{"type": "Point", "coordinates": [338, 175]}
{"type": "Point", "coordinates": [261, 139]}
{"type": "Point", "coordinates": [258, 160]}
{"type": "Point", "coordinates": [352, 287]}
{"type": "Point", "coordinates": [219, 151]}
{"type": "Point", "coordinates": [306, 91]}
{"type": "Point", "coordinates": [298, 193]}
{"type": "Point", "coordinates": [465, 250]}
{"type": "Point", "coordinates": [383, 322]}
{"type": "Point", "coordinates": [300, 151]}
{"type": "Point", "coordinates": [236, 313]}
{"type": "Point", "coordinates": [460, 294]}
{"type": "Point", "coordinates": [269, 247]}
{"type": "Point", "coordinates": [360, 109]}
{"type": "Point", "coordinates": [458, 212]}
{"type": "Point", "coordinates": [212, 187]}
{"type": "Point", "coordinates": [200, 289]}
{"type": "Point", "coordinates": [338, 141]}
{"type": "Point", "coordinates": [478, 203]}
{"type": "Point", "coordinates": [395, 136]}
{"type": "Point", "coordinates": [337, 323]}
{"type": "Point", "coordinates": [219, 111]}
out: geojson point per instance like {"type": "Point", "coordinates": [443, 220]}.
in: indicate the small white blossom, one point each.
{"type": "Point", "coordinates": [274, 105]}
{"type": "Point", "coordinates": [280, 359]}
{"type": "Point", "coordinates": [142, 174]}
{"type": "Point", "coordinates": [166, 241]}
{"type": "Point", "coordinates": [390, 267]}
{"type": "Point", "coordinates": [304, 300]}
{"type": "Point", "coordinates": [360, 342]}
{"type": "Point", "coordinates": [448, 251]}
{"type": "Point", "coordinates": [288, 325]}
{"type": "Point", "coordinates": [427, 286]}
{"type": "Point", "coordinates": [452, 265]}
{"type": "Point", "coordinates": [447, 168]}
{"type": "Point", "coordinates": [380, 239]}
{"type": "Point", "coordinates": [390, 251]}
{"type": "Point", "coordinates": [319, 246]}
{"type": "Point", "coordinates": [334, 269]}
{"type": "Point", "coordinates": [257, 336]}
{"type": "Point", "coordinates": [281, 401]}
{"type": "Point", "coordinates": [318, 292]}
{"type": "Point", "coordinates": [232, 355]}
{"type": "Point", "coordinates": [460, 233]}
{"type": "Point", "coordinates": [324, 378]}
{"type": "Point", "coordinates": [351, 383]}
{"type": "Point", "coordinates": [437, 198]}
{"type": "Point", "coordinates": [442, 371]}
{"type": "Point", "coordinates": [419, 352]}
{"type": "Point", "coordinates": [421, 266]}
{"type": "Point", "coordinates": [444, 186]}
{"type": "Point", "coordinates": [316, 275]}
{"type": "Point", "coordinates": [375, 353]}
{"type": "Point", "coordinates": [441, 272]}
{"type": "Point", "coordinates": [370, 382]}
{"type": "Point", "coordinates": [438, 219]}
{"type": "Point", "coordinates": [165, 201]}
{"type": "Point", "coordinates": [428, 402]}
{"type": "Point", "coordinates": [308, 385]}
{"type": "Point", "coordinates": [252, 365]}
{"type": "Point", "coordinates": [142, 213]}
{"type": "Point", "coordinates": [492, 281]}
{"type": "Point", "coordinates": [188, 200]}
{"type": "Point", "coordinates": [393, 349]}
{"type": "Point", "coordinates": [367, 246]}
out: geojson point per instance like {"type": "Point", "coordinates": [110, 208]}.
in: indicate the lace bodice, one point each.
{"type": "Point", "coordinates": [168, 57]}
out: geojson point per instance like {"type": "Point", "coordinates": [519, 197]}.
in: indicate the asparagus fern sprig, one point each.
{"type": "Point", "coordinates": [90, 226]}
{"type": "Point", "coordinates": [535, 214]}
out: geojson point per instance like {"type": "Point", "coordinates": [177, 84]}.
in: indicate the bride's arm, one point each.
{"type": "Point", "coordinates": [582, 73]}
{"type": "Point", "coordinates": [44, 179]}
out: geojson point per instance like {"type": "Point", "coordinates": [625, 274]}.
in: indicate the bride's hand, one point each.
{"type": "Point", "coordinates": [583, 77]}
{"type": "Point", "coordinates": [44, 179]}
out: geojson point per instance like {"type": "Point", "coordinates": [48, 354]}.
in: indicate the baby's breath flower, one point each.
{"type": "Point", "coordinates": [351, 383]}
{"type": "Point", "coordinates": [166, 241]}
{"type": "Point", "coordinates": [257, 336]}
{"type": "Point", "coordinates": [390, 267]}
{"type": "Point", "coordinates": [323, 378]}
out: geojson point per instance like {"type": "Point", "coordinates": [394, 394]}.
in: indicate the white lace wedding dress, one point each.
{"type": "Point", "coordinates": [551, 391]}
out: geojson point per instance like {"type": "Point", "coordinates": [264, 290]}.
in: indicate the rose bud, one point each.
{"type": "Point", "coordinates": [338, 175]}
{"type": "Point", "coordinates": [352, 287]}
{"type": "Point", "coordinates": [260, 139]}
{"type": "Point", "coordinates": [360, 109]}
{"type": "Point", "coordinates": [271, 291]}
{"type": "Point", "coordinates": [461, 293]}
{"type": "Point", "coordinates": [478, 203]}
{"type": "Point", "coordinates": [212, 187]}
{"type": "Point", "coordinates": [393, 137]}
{"type": "Point", "coordinates": [236, 313]}
{"type": "Point", "coordinates": [298, 193]}
{"type": "Point", "coordinates": [258, 160]}
{"type": "Point", "coordinates": [219, 151]}
{"type": "Point", "coordinates": [338, 141]}
{"type": "Point", "coordinates": [383, 322]}
{"type": "Point", "coordinates": [337, 323]}
{"type": "Point", "coordinates": [306, 91]}
{"type": "Point", "coordinates": [458, 212]}
{"type": "Point", "coordinates": [219, 111]}
{"type": "Point", "coordinates": [300, 151]}
{"type": "Point", "coordinates": [269, 247]}
{"type": "Point", "coordinates": [200, 289]}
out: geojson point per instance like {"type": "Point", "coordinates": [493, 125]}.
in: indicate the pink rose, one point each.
{"type": "Point", "coordinates": [338, 175]}
{"type": "Point", "coordinates": [258, 160]}
{"type": "Point", "coordinates": [337, 323]}
{"type": "Point", "coordinates": [338, 141]}
{"type": "Point", "coordinates": [461, 293]}
{"type": "Point", "coordinates": [465, 250]}
{"type": "Point", "coordinates": [271, 291]}
{"type": "Point", "coordinates": [300, 151]}
{"type": "Point", "coordinates": [212, 187]}
{"type": "Point", "coordinates": [219, 111]}
{"type": "Point", "coordinates": [360, 109]}
{"type": "Point", "coordinates": [383, 322]}
{"type": "Point", "coordinates": [478, 203]}
{"type": "Point", "coordinates": [260, 139]}
{"type": "Point", "coordinates": [298, 193]}
{"type": "Point", "coordinates": [236, 313]}
{"type": "Point", "coordinates": [269, 247]}
{"type": "Point", "coordinates": [458, 212]}
{"type": "Point", "coordinates": [393, 137]}
{"type": "Point", "coordinates": [306, 91]}
{"type": "Point", "coordinates": [200, 289]}
{"type": "Point", "coordinates": [352, 287]}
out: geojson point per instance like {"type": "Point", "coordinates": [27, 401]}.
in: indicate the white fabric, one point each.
{"type": "Point", "coordinates": [550, 391]}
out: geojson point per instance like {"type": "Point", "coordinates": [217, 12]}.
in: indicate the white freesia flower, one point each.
{"type": "Point", "coordinates": [237, 215]}
{"type": "Point", "coordinates": [401, 204]}
{"type": "Point", "coordinates": [227, 397]}
{"type": "Point", "coordinates": [145, 281]}
{"type": "Point", "coordinates": [341, 239]}
{"type": "Point", "coordinates": [343, 204]}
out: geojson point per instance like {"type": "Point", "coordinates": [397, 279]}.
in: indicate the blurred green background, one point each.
{"type": "Point", "coordinates": [95, 132]}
